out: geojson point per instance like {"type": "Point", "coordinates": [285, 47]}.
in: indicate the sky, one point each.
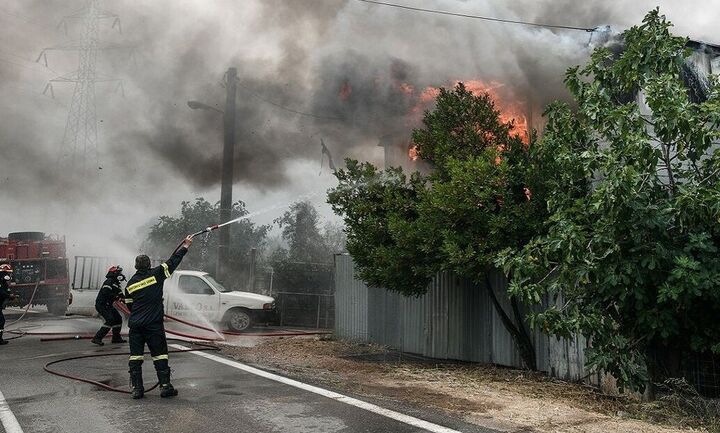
{"type": "Point", "coordinates": [344, 71]}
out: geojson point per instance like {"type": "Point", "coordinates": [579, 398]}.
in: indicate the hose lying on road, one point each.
{"type": "Point", "coordinates": [54, 336]}
{"type": "Point", "coordinates": [27, 307]}
{"type": "Point", "coordinates": [203, 347]}
{"type": "Point", "coordinates": [19, 332]}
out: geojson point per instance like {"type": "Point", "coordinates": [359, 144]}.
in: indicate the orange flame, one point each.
{"type": "Point", "coordinates": [510, 111]}
{"type": "Point", "coordinates": [413, 152]}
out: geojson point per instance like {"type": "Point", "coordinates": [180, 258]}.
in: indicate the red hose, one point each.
{"type": "Point", "coordinates": [106, 386]}
{"type": "Point", "coordinates": [125, 310]}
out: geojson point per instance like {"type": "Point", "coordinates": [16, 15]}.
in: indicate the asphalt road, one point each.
{"type": "Point", "coordinates": [216, 394]}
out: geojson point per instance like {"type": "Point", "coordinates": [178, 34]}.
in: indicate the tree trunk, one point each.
{"type": "Point", "coordinates": [524, 335]}
{"type": "Point", "coordinates": [521, 339]}
{"type": "Point", "coordinates": [651, 360]}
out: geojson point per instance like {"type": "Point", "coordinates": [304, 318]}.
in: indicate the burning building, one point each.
{"type": "Point", "coordinates": [399, 151]}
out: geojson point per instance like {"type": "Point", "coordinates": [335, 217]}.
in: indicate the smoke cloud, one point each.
{"type": "Point", "coordinates": [342, 70]}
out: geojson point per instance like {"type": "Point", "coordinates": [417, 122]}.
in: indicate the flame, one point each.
{"type": "Point", "coordinates": [510, 110]}
{"type": "Point", "coordinates": [413, 152]}
{"type": "Point", "coordinates": [406, 88]}
{"type": "Point", "coordinates": [418, 99]}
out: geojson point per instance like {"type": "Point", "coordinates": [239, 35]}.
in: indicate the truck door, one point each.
{"type": "Point", "coordinates": [195, 298]}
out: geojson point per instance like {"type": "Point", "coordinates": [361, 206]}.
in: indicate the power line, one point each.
{"type": "Point", "coordinates": [479, 17]}
{"type": "Point", "coordinates": [28, 61]}
{"type": "Point", "coordinates": [34, 94]}
{"type": "Point", "coordinates": [283, 107]}
{"type": "Point", "coordinates": [20, 17]}
{"type": "Point", "coordinates": [22, 66]}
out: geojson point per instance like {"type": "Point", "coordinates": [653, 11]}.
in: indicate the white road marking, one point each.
{"type": "Point", "coordinates": [7, 418]}
{"type": "Point", "coordinates": [397, 416]}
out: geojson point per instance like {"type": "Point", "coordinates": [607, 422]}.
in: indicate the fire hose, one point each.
{"type": "Point", "coordinates": [20, 333]}
{"type": "Point", "coordinates": [47, 368]}
{"type": "Point", "coordinates": [58, 336]}
{"type": "Point", "coordinates": [122, 307]}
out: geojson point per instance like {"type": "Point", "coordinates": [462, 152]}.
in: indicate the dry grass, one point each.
{"type": "Point", "coordinates": [494, 397]}
{"type": "Point", "coordinates": [680, 403]}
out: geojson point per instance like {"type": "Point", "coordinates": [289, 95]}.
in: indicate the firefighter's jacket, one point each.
{"type": "Point", "coordinates": [109, 292]}
{"type": "Point", "coordinates": [144, 292]}
{"type": "Point", "coordinates": [4, 289]}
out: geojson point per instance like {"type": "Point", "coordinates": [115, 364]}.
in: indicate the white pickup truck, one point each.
{"type": "Point", "coordinates": [189, 294]}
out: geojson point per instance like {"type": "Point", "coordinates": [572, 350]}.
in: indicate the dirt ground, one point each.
{"type": "Point", "coordinates": [498, 398]}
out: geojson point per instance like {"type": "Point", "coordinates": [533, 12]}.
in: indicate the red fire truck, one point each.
{"type": "Point", "coordinates": [40, 266]}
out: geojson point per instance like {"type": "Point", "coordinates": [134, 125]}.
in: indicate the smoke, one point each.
{"type": "Point", "coordinates": [341, 70]}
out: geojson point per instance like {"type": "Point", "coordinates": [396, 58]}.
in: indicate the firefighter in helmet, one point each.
{"type": "Point", "coordinates": [6, 273]}
{"type": "Point", "coordinates": [144, 298]}
{"type": "Point", "coordinates": [109, 293]}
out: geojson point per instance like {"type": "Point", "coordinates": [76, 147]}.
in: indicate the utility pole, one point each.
{"type": "Point", "coordinates": [227, 173]}
{"type": "Point", "coordinates": [253, 270]}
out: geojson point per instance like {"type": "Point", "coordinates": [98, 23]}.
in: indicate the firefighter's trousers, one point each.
{"type": "Point", "coordinates": [113, 321]}
{"type": "Point", "coordinates": [154, 336]}
{"type": "Point", "coordinates": [2, 321]}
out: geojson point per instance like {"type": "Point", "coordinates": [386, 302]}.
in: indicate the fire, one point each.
{"type": "Point", "coordinates": [413, 152]}
{"type": "Point", "coordinates": [419, 99]}
{"type": "Point", "coordinates": [510, 110]}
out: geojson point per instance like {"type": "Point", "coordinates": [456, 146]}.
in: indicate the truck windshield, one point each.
{"type": "Point", "coordinates": [218, 286]}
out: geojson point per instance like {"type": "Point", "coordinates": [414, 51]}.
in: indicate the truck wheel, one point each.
{"type": "Point", "coordinates": [57, 308]}
{"type": "Point", "coordinates": [237, 320]}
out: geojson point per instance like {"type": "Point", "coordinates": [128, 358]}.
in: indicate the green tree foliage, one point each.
{"type": "Point", "coordinates": [480, 198]}
{"type": "Point", "coordinates": [164, 236]}
{"type": "Point", "coordinates": [301, 230]}
{"type": "Point", "coordinates": [306, 263]}
{"type": "Point", "coordinates": [630, 254]}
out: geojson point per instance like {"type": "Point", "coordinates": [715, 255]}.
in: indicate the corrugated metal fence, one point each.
{"type": "Point", "coordinates": [454, 320]}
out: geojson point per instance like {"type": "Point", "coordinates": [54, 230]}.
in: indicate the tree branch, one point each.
{"type": "Point", "coordinates": [527, 352]}
{"type": "Point", "coordinates": [714, 173]}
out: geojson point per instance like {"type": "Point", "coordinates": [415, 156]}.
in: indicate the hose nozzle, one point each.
{"type": "Point", "coordinates": [205, 230]}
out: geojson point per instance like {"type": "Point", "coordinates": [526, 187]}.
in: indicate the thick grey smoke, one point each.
{"type": "Point", "coordinates": [355, 71]}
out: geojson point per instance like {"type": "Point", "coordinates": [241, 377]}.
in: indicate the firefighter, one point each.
{"type": "Point", "coordinates": [109, 293]}
{"type": "Point", "coordinates": [144, 298]}
{"type": "Point", "coordinates": [5, 278]}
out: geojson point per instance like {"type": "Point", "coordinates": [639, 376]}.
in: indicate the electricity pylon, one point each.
{"type": "Point", "coordinates": [79, 147]}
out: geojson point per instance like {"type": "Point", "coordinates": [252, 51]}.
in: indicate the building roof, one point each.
{"type": "Point", "coordinates": [706, 46]}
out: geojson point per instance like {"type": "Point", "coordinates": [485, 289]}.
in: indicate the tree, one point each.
{"type": "Point", "coordinates": [482, 196]}
{"type": "Point", "coordinates": [630, 253]}
{"type": "Point", "coordinates": [300, 229]}
{"type": "Point", "coordinates": [244, 235]}
{"type": "Point", "coordinates": [306, 241]}
{"type": "Point", "coordinates": [306, 263]}
{"type": "Point", "coordinates": [334, 237]}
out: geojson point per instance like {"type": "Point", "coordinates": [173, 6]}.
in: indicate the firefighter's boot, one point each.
{"type": "Point", "coordinates": [166, 388]}
{"type": "Point", "coordinates": [2, 342]}
{"type": "Point", "coordinates": [136, 383]}
{"type": "Point", "coordinates": [116, 337]}
{"type": "Point", "coordinates": [102, 332]}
